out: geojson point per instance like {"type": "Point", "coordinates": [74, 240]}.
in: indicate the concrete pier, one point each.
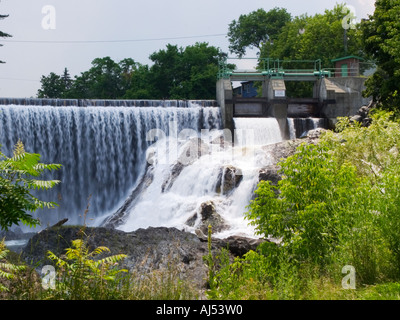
{"type": "Point", "coordinates": [332, 98]}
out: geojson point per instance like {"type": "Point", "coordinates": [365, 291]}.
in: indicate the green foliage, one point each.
{"type": "Point", "coordinates": [381, 35]}
{"type": "Point", "coordinates": [8, 270]}
{"type": "Point", "coordinates": [255, 29]}
{"type": "Point", "coordinates": [17, 179]}
{"type": "Point", "coordinates": [315, 37]}
{"type": "Point", "coordinates": [304, 215]}
{"type": "Point", "coordinates": [55, 86]}
{"type": "Point", "coordinates": [81, 276]}
{"type": "Point", "coordinates": [188, 73]}
{"type": "Point", "coordinates": [176, 73]}
{"type": "Point", "coordinates": [336, 205]}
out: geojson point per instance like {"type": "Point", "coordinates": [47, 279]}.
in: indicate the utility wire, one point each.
{"type": "Point", "coordinates": [15, 79]}
{"type": "Point", "coordinates": [110, 41]}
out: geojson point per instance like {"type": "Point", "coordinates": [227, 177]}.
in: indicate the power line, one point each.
{"type": "Point", "coordinates": [15, 79]}
{"type": "Point", "coordinates": [111, 41]}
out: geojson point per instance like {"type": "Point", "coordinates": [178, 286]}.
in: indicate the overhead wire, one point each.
{"type": "Point", "coordinates": [111, 41]}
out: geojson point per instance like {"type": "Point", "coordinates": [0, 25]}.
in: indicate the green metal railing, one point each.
{"type": "Point", "coordinates": [275, 68]}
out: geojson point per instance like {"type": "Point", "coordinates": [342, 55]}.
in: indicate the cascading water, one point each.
{"type": "Point", "coordinates": [257, 131]}
{"type": "Point", "coordinates": [198, 181]}
{"type": "Point", "coordinates": [102, 150]}
{"type": "Point", "coordinates": [299, 126]}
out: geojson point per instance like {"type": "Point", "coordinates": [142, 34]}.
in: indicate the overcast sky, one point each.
{"type": "Point", "coordinates": [39, 47]}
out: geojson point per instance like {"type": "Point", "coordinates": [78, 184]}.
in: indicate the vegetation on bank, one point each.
{"type": "Point", "coordinates": [336, 209]}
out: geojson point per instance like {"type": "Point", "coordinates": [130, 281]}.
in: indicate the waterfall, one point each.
{"type": "Point", "coordinates": [299, 126]}
{"type": "Point", "coordinates": [146, 165]}
{"type": "Point", "coordinates": [102, 150]}
{"type": "Point", "coordinates": [202, 180]}
{"type": "Point", "coordinates": [257, 131]}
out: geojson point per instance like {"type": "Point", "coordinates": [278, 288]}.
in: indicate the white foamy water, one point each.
{"type": "Point", "coordinates": [257, 131]}
{"type": "Point", "coordinates": [197, 182]}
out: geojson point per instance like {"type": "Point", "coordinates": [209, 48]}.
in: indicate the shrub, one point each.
{"type": "Point", "coordinates": [17, 179]}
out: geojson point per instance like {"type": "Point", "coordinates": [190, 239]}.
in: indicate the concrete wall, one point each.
{"type": "Point", "coordinates": [224, 93]}
{"type": "Point", "coordinates": [348, 95]}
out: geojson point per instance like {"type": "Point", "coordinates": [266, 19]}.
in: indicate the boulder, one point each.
{"type": "Point", "coordinates": [208, 215]}
{"type": "Point", "coordinates": [314, 134]}
{"type": "Point", "coordinates": [146, 249]}
{"type": "Point", "coordinates": [270, 174]}
{"type": "Point", "coordinates": [362, 115]}
{"type": "Point", "coordinates": [229, 178]}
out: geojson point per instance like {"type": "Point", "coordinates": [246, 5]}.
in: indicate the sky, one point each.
{"type": "Point", "coordinates": [50, 35]}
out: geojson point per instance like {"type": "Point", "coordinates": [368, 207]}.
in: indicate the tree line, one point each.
{"type": "Point", "coordinates": [176, 73]}
{"type": "Point", "coordinates": [190, 73]}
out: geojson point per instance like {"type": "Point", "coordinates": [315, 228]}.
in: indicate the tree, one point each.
{"type": "Point", "coordinates": [318, 37]}
{"type": "Point", "coordinates": [103, 80]}
{"type": "Point", "coordinates": [310, 38]}
{"type": "Point", "coordinates": [255, 29]}
{"type": "Point", "coordinates": [165, 74]}
{"type": "Point", "coordinates": [188, 73]}
{"type": "Point", "coordinates": [66, 80]}
{"type": "Point", "coordinates": [177, 73]}
{"type": "Point", "coordinates": [3, 34]}
{"type": "Point", "coordinates": [199, 67]}
{"type": "Point", "coordinates": [381, 37]}
{"type": "Point", "coordinates": [55, 86]}
{"type": "Point", "coordinates": [140, 85]}
{"type": "Point", "coordinates": [17, 178]}
{"type": "Point", "coordinates": [52, 86]}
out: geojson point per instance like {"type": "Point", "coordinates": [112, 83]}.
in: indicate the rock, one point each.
{"type": "Point", "coordinates": [270, 174]}
{"type": "Point", "coordinates": [282, 150]}
{"type": "Point", "coordinates": [362, 115]}
{"type": "Point", "coordinates": [207, 210]}
{"type": "Point", "coordinates": [313, 134]}
{"type": "Point", "coordinates": [357, 118]}
{"type": "Point", "coordinates": [175, 172]}
{"type": "Point", "coordinates": [146, 249]}
{"type": "Point", "coordinates": [208, 216]}
{"type": "Point", "coordinates": [239, 246]}
{"type": "Point", "coordinates": [229, 179]}
{"type": "Point", "coordinates": [15, 234]}
{"type": "Point", "coordinates": [364, 111]}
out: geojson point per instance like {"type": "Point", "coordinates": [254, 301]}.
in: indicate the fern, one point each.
{"type": "Point", "coordinates": [81, 274]}
{"type": "Point", "coordinates": [7, 270]}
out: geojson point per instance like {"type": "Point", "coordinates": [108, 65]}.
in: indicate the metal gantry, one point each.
{"type": "Point", "coordinates": [290, 70]}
